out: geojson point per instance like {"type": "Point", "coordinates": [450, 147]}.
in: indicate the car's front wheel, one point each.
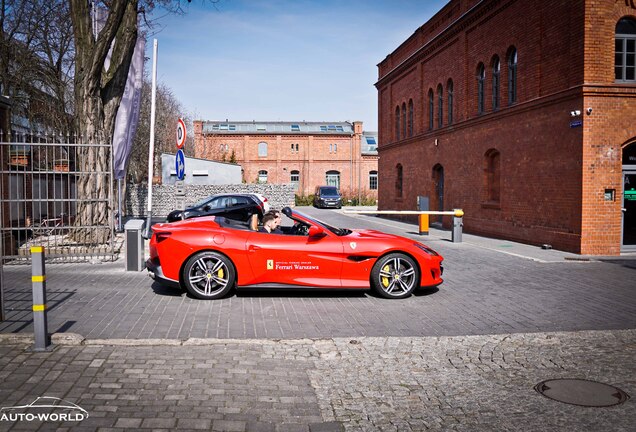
{"type": "Point", "coordinates": [395, 276]}
{"type": "Point", "coordinates": [209, 275]}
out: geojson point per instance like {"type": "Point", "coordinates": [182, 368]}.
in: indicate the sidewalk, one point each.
{"type": "Point", "coordinates": [468, 383]}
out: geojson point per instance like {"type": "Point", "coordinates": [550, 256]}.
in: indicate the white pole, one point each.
{"type": "Point", "coordinates": [151, 150]}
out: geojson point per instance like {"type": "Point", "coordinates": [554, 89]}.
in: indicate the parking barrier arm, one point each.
{"type": "Point", "coordinates": [457, 214]}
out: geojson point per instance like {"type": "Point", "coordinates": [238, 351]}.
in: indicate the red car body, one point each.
{"type": "Point", "coordinates": [310, 254]}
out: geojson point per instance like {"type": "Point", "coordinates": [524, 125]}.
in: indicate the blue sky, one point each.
{"type": "Point", "coordinates": [279, 60]}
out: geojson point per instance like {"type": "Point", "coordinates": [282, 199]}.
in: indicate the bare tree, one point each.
{"type": "Point", "coordinates": [167, 111]}
{"type": "Point", "coordinates": [36, 55]}
{"type": "Point", "coordinates": [98, 92]}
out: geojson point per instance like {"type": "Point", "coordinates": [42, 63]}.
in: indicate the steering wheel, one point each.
{"type": "Point", "coordinates": [299, 229]}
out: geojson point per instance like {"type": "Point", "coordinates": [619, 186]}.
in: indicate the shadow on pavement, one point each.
{"type": "Point", "coordinates": [628, 263]}
{"type": "Point", "coordinates": [165, 290]}
{"type": "Point", "coordinates": [299, 292]}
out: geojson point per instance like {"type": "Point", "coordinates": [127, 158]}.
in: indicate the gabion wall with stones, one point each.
{"type": "Point", "coordinates": [163, 196]}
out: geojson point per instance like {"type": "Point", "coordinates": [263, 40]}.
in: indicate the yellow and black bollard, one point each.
{"type": "Point", "coordinates": [38, 279]}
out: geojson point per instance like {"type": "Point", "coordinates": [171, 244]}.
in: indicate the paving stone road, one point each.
{"type": "Point", "coordinates": [488, 289]}
{"type": "Point", "coordinates": [466, 356]}
{"type": "Point", "coordinates": [463, 383]}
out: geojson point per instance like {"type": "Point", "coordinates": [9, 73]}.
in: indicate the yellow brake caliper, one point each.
{"type": "Point", "coordinates": [385, 280]}
{"type": "Point", "coordinates": [220, 273]}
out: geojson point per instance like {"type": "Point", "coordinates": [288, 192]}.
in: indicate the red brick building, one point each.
{"type": "Point", "coordinates": [308, 154]}
{"type": "Point", "coordinates": [521, 113]}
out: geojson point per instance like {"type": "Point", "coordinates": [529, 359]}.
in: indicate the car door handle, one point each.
{"type": "Point", "coordinates": [253, 248]}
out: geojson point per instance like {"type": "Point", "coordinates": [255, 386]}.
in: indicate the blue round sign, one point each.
{"type": "Point", "coordinates": [180, 164]}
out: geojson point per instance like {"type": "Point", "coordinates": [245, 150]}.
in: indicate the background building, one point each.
{"type": "Point", "coordinates": [307, 154]}
{"type": "Point", "coordinates": [199, 171]}
{"type": "Point", "coordinates": [520, 113]}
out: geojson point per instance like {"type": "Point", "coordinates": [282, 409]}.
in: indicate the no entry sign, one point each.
{"type": "Point", "coordinates": [181, 134]}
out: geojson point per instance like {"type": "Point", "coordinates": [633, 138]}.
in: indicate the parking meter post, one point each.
{"type": "Point", "coordinates": [38, 279]}
{"type": "Point", "coordinates": [458, 224]}
{"type": "Point", "coordinates": [135, 245]}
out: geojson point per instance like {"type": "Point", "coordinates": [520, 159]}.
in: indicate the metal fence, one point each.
{"type": "Point", "coordinates": [56, 192]}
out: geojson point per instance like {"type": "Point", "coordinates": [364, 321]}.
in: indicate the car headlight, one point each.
{"type": "Point", "coordinates": [426, 249]}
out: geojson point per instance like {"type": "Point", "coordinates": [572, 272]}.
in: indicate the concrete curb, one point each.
{"type": "Point", "coordinates": [74, 339]}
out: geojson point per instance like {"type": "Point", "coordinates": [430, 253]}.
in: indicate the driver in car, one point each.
{"type": "Point", "coordinates": [271, 222]}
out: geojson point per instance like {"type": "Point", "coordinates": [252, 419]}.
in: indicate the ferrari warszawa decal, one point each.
{"type": "Point", "coordinates": [285, 265]}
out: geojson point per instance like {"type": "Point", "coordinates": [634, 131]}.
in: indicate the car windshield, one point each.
{"type": "Point", "coordinates": [202, 202]}
{"type": "Point", "coordinates": [336, 231]}
{"type": "Point", "coordinates": [329, 191]}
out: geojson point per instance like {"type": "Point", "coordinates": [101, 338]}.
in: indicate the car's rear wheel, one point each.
{"type": "Point", "coordinates": [209, 275]}
{"type": "Point", "coordinates": [395, 276]}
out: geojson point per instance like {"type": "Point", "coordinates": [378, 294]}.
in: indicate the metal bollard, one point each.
{"type": "Point", "coordinates": [38, 278]}
{"type": "Point", "coordinates": [457, 225]}
{"type": "Point", "coordinates": [423, 224]}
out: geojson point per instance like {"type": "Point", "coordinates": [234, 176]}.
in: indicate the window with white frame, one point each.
{"type": "Point", "coordinates": [262, 176]}
{"type": "Point", "coordinates": [625, 51]}
{"type": "Point", "coordinates": [332, 178]}
{"type": "Point", "coordinates": [262, 149]}
{"type": "Point", "coordinates": [373, 180]}
{"type": "Point", "coordinates": [295, 178]}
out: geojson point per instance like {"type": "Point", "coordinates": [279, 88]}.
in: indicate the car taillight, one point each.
{"type": "Point", "coordinates": [162, 236]}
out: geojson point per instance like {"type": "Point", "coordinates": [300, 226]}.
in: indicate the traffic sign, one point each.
{"type": "Point", "coordinates": [180, 164]}
{"type": "Point", "coordinates": [181, 134]}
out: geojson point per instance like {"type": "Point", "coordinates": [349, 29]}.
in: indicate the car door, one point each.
{"type": "Point", "coordinates": [295, 259]}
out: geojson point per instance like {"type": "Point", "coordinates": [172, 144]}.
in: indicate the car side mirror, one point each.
{"type": "Point", "coordinates": [316, 232]}
{"type": "Point", "coordinates": [206, 208]}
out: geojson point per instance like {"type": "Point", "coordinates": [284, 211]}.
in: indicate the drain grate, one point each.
{"type": "Point", "coordinates": [582, 392]}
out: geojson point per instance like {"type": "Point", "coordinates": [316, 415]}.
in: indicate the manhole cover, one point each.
{"type": "Point", "coordinates": [582, 392]}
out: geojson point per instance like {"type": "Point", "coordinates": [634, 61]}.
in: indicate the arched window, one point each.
{"type": "Point", "coordinates": [262, 176]}
{"type": "Point", "coordinates": [493, 175]}
{"type": "Point", "coordinates": [398, 180]}
{"type": "Point", "coordinates": [496, 69]}
{"type": "Point", "coordinates": [625, 51]}
{"type": "Point", "coordinates": [373, 180]}
{"type": "Point", "coordinates": [431, 109]}
{"type": "Point", "coordinates": [449, 90]}
{"type": "Point", "coordinates": [262, 149]}
{"type": "Point", "coordinates": [410, 119]}
{"type": "Point", "coordinates": [512, 75]}
{"type": "Point", "coordinates": [481, 78]}
{"type": "Point", "coordinates": [397, 123]}
{"type": "Point", "coordinates": [440, 106]}
{"type": "Point", "coordinates": [332, 178]}
{"type": "Point", "coordinates": [404, 120]}
{"type": "Point", "coordinates": [295, 178]}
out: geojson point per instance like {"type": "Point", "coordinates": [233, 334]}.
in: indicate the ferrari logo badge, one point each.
{"type": "Point", "coordinates": [270, 264]}
{"type": "Point", "coordinates": [353, 245]}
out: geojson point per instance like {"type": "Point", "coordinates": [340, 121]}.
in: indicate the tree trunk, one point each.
{"type": "Point", "coordinates": [98, 92]}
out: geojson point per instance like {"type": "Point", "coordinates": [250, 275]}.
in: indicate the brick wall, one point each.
{"type": "Point", "coordinates": [553, 176]}
{"type": "Point", "coordinates": [316, 155]}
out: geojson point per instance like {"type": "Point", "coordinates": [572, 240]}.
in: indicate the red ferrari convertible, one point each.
{"type": "Point", "coordinates": [210, 255]}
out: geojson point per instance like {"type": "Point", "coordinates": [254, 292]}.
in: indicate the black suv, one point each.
{"type": "Point", "coordinates": [327, 196]}
{"type": "Point", "coordinates": [238, 207]}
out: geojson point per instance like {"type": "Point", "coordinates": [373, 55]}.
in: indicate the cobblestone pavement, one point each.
{"type": "Point", "coordinates": [462, 357]}
{"type": "Point", "coordinates": [465, 383]}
